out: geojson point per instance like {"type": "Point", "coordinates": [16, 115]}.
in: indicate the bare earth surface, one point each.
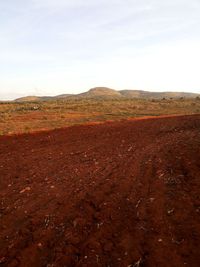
{"type": "Point", "coordinates": [120, 194]}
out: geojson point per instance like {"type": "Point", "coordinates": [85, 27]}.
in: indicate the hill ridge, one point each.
{"type": "Point", "coordinates": [106, 92]}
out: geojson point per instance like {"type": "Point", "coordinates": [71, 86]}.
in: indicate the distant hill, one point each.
{"type": "Point", "coordinates": [100, 92]}
{"type": "Point", "coordinates": [33, 98]}
{"type": "Point", "coordinates": [41, 98]}
{"type": "Point", "coordinates": [108, 93]}
{"type": "Point", "coordinates": [156, 95]}
{"type": "Point", "coordinates": [62, 96]}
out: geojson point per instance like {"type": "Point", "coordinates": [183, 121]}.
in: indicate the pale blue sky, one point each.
{"type": "Point", "coordinates": [49, 47]}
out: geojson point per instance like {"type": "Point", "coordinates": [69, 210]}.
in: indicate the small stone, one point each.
{"type": "Point", "coordinates": [170, 211]}
{"type": "Point", "coordinates": [25, 190]}
{"type": "Point", "coordinates": [2, 260]}
{"type": "Point", "coordinates": [74, 223]}
{"type": "Point", "coordinates": [160, 240]}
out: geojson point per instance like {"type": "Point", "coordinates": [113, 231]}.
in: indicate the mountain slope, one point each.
{"type": "Point", "coordinates": [105, 93]}
{"type": "Point", "coordinates": [34, 98]}
{"type": "Point", "coordinates": [100, 92]}
{"type": "Point", "coordinates": [41, 98]}
{"type": "Point", "coordinates": [157, 95]}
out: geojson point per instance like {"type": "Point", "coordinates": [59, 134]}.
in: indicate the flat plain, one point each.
{"type": "Point", "coordinates": [20, 117]}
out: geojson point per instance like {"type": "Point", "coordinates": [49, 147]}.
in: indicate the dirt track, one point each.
{"type": "Point", "coordinates": [121, 194]}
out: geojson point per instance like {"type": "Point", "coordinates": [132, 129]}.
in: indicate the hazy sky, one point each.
{"type": "Point", "coordinates": [49, 47]}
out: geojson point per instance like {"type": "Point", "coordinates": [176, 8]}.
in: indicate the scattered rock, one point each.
{"type": "Point", "coordinates": [169, 212]}
{"type": "Point", "coordinates": [25, 189]}
{"type": "Point", "coordinates": [138, 203]}
{"type": "Point", "coordinates": [2, 260]}
{"type": "Point", "coordinates": [136, 264]}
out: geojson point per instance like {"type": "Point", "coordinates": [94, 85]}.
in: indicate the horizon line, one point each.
{"type": "Point", "coordinates": [97, 87]}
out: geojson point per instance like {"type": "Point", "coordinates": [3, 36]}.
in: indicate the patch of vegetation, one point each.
{"type": "Point", "coordinates": [17, 117]}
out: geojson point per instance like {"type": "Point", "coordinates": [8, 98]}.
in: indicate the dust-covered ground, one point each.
{"type": "Point", "coordinates": [118, 194]}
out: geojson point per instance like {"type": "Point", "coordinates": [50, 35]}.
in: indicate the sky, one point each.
{"type": "Point", "coordinates": [51, 47]}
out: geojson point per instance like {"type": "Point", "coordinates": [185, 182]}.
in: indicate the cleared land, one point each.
{"type": "Point", "coordinates": [118, 194]}
{"type": "Point", "coordinates": [35, 116]}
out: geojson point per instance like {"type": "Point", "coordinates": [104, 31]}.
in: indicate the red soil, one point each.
{"type": "Point", "coordinates": [114, 195]}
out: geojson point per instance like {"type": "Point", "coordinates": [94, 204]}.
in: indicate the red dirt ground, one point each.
{"type": "Point", "coordinates": [120, 194]}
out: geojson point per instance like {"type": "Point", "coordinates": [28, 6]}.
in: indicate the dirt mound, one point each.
{"type": "Point", "coordinates": [121, 194]}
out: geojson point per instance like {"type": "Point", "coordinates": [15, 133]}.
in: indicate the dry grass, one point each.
{"type": "Point", "coordinates": [34, 116]}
